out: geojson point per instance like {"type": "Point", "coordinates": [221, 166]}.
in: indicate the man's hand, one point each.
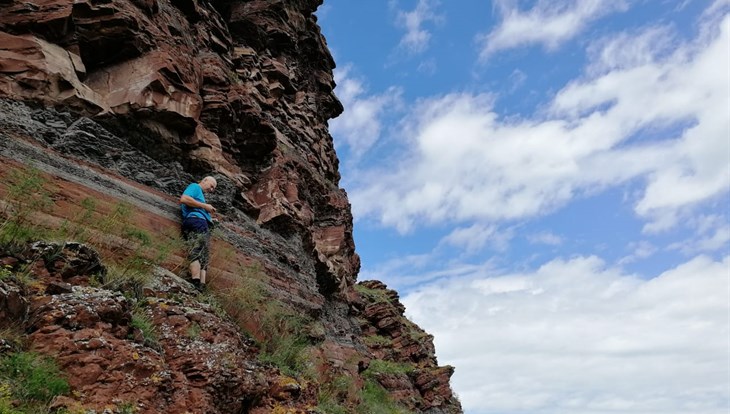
{"type": "Point", "coordinates": [191, 202]}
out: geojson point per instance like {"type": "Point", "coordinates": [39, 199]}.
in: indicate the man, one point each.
{"type": "Point", "coordinates": [196, 227]}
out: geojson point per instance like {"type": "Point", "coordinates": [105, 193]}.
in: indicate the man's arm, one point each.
{"type": "Point", "coordinates": [191, 202]}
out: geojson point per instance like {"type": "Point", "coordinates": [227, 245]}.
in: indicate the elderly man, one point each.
{"type": "Point", "coordinates": [196, 220]}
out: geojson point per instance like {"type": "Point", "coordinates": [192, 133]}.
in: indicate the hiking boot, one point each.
{"type": "Point", "coordinates": [196, 283]}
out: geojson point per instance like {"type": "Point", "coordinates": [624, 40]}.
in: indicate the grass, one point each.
{"type": "Point", "coordinates": [375, 295]}
{"type": "Point", "coordinates": [331, 407]}
{"type": "Point", "coordinates": [283, 335]}
{"type": "Point", "coordinates": [377, 341]}
{"type": "Point", "coordinates": [333, 394]}
{"type": "Point", "coordinates": [130, 252]}
{"type": "Point", "coordinates": [31, 379]}
{"type": "Point", "coordinates": [372, 398]}
{"type": "Point", "coordinates": [6, 272]}
{"type": "Point", "coordinates": [380, 366]}
{"type": "Point", "coordinates": [141, 321]}
{"type": "Point", "coordinates": [14, 336]}
{"type": "Point", "coordinates": [194, 330]}
{"type": "Point", "coordinates": [26, 194]}
{"type": "Point", "coordinates": [376, 400]}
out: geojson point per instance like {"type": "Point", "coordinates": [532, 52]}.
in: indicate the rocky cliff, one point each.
{"type": "Point", "coordinates": [108, 109]}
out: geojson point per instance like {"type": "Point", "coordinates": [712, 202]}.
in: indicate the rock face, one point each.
{"type": "Point", "coordinates": [197, 361]}
{"type": "Point", "coordinates": [129, 101]}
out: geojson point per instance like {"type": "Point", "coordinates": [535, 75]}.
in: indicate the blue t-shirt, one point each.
{"type": "Point", "coordinates": [196, 193]}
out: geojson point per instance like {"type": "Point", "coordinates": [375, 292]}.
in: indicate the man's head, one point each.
{"type": "Point", "coordinates": [208, 184]}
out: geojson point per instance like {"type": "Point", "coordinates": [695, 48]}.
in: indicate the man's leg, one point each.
{"type": "Point", "coordinates": [204, 257]}
{"type": "Point", "coordinates": [195, 272]}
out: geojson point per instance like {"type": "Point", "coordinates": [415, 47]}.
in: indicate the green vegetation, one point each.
{"type": "Point", "coordinates": [379, 366]}
{"type": "Point", "coordinates": [282, 333]}
{"type": "Point", "coordinates": [13, 336]}
{"type": "Point", "coordinates": [375, 400]}
{"type": "Point", "coordinates": [141, 321]}
{"type": "Point", "coordinates": [6, 272]}
{"type": "Point", "coordinates": [333, 393]}
{"type": "Point", "coordinates": [194, 331]}
{"type": "Point", "coordinates": [340, 395]}
{"type": "Point", "coordinates": [128, 251]}
{"type": "Point", "coordinates": [30, 379]}
{"type": "Point", "coordinates": [328, 407]}
{"type": "Point", "coordinates": [375, 295]}
{"type": "Point", "coordinates": [377, 341]}
{"type": "Point", "coordinates": [127, 408]}
{"type": "Point", "coordinates": [286, 343]}
{"type": "Point", "coordinates": [25, 196]}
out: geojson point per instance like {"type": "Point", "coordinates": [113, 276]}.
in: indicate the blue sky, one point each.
{"type": "Point", "coordinates": [547, 184]}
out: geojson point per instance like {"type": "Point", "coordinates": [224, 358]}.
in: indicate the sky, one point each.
{"type": "Point", "coordinates": [546, 183]}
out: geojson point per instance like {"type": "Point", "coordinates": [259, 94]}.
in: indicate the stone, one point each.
{"type": "Point", "coordinates": [14, 306]}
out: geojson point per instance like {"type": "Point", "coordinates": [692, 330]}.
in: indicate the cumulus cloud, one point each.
{"type": "Point", "coordinates": [659, 122]}
{"type": "Point", "coordinates": [577, 336]}
{"type": "Point", "coordinates": [474, 238]}
{"type": "Point", "coordinates": [549, 23]}
{"type": "Point", "coordinates": [361, 128]}
{"type": "Point", "coordinates": [416, 38]}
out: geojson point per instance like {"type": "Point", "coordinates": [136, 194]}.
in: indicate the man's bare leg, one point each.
{"type": "Point", "coordinates": [203, 273]}
{"type": "Point", "coordinates": [195, 270]}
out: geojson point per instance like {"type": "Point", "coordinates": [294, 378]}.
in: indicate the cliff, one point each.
{"type": "Point", "coordinates": [108, 109]}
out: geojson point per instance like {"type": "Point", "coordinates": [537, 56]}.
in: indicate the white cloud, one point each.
{"type": "Point", "coordinates": [718, 6]}
{"type": "Point", "coordinates": [406, 272]}
{"type": "Point", "coordinates": [465, 163]}
{"type": "Point", "coordinates": [416, 38]}
{"type": "Point", "coordinates": [577, 337]}
{"type": "Point", "coordinates": [361, 127]}
{"type": "Point", "coordinates": [474, 238]}
{"type": "Point", "coordinates": [547, 238]}
{"type": "Point", "coordinates": [639, 250]}
{"type": "Point", "coordinates": [712, 234]}
{"type": "Point", "coordinates": [549, 23]}
{"type": "Point", "coordinates": [517, 78]}
{"type": "Point", "coordinates": [627, 50]}
{"type": "Point", "coordinates": [427, 67]}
